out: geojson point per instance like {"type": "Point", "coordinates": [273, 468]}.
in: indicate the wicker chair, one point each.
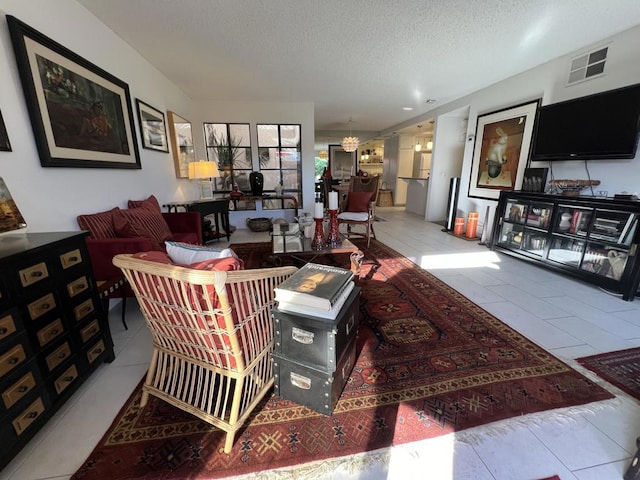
{"type": "Point", "coordinates": [212, 337]}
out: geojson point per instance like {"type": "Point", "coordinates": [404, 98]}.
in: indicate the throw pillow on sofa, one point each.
{"type": "Point", "coordinates": [150, 203]}
{"type": "Point", "coordinates": [141, 222]}
{"type": "Point", "coordinates": [187, 254]}
{"type": "Point", "coordinates": [100, 225]}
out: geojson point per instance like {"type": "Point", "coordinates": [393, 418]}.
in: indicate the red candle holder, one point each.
{"type": "Point", "coordinates": [318, 238]}
{"type": "Point", "coordinates": [333, 237]}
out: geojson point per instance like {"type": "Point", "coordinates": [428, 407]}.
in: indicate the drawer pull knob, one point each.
{"type": "Point", "coordinates": [14, 360]}
{"type": "Point", "coordinates": [98, 350]}
{"type": "Point", "coordinates": [69, 378]}
{"type": "Point", "coordinates": [23, 389]}
{"type": "Point", "coordinates": [32, 415]}
{"type": "Point", "coordinates": [73, 259]}
{"type": "Point", "coordinates": [54, 332]}
{"type": "Point", "coordinates": [36, 274]}
{"type": "Point", "coordinates": [3, 331]}
{"type": "Point", "coordinates": [82, 285]}
{"type": "Point", "coordinates": [87, 309]}
{"type": "Point", "coordinates": [62, 355]}
{"type": "Point", "coordinates": [46, 306]}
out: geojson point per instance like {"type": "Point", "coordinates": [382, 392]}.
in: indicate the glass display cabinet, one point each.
{"type": "Point", "coordinates": [594, 239]}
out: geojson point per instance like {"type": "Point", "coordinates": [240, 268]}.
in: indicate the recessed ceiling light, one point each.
{"type": "Point", "coordinates": [408, 109]}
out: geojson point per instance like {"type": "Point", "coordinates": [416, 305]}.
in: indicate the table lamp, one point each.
{"type": "Point", "coordinates": [204, 171]}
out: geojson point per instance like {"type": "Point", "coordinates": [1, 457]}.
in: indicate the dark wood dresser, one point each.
{"type": "Point", "coordinates": [54, 331]}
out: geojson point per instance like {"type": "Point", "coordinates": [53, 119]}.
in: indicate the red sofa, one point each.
{"type": "Point", "coordinates": [140, 228]}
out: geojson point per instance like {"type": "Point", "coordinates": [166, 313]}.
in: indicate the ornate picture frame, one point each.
{"type": "Point", "coordinates": [181, 143]}
{"type": "Point", "coordinates": [501, 150]}
{"type": "Point", "coordinates": [5, 146]}
{"type": "Point", "coordinates": [153, 130]}
{"type": "Point", "coordinates": [80, 114]}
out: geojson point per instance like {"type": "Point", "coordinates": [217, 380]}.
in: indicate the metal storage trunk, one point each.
{"type": "Point", "coordinates": [313, 388]}
{"type": "Point", "coordinates": [317, 342]}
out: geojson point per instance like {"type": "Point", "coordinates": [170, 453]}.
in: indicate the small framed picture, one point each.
{"type": "Point", "coordinates": [534, 180]}
{"type": "Point", "coordinates": [5, 146]}
{"type": "Point", "coordinates": [152, 127]}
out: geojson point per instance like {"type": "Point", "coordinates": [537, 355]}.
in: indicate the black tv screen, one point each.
{"type": "Point", "coordinates": [600, 126]}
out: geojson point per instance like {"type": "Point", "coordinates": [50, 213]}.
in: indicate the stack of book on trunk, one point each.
{"type": "Point", "coordinates": [316, 290]}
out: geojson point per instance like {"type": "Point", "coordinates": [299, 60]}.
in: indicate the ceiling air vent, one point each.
{"type": "Point", "coordinates": [588, 65]}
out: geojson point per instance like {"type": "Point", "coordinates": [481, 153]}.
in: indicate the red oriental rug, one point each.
{"type": "Point", "coordinates": [621, 368]}
{"type": "Point", "coordinates": [430, 362]}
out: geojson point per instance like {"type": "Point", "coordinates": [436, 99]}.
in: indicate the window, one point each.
{"type": "Point", "coordinates": [229, 144]}
{"type": "Point", "coordinates": [280, 159]}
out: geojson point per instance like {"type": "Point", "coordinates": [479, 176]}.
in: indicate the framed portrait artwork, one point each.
{"type": "Point", "coordinates": [341, 164]}
{"type": "Point", "coordinates": [152, 127]}
{"type": "Point", "coordinates": [5, 146]}
{"type": "Point", "coordinates": [80, 114]}
{"type": "Point", "coordinates": [501, 150]}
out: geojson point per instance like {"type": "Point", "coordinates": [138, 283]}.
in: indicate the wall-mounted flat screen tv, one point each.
{"type": "Point", "coordinates": [596, 127]}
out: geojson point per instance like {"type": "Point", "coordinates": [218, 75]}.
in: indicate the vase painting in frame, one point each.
{"type": "Point", "coordinates": [501, 150]}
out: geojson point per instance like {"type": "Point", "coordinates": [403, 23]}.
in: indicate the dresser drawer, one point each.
{"type": "Point", "coordinates": [90, 331]}
{"type": "Point", "coordinates": [77, 286]}
{"type": "Point", "coordinates": [95, 351]}
{"type": "Point", "coordinates": [28, 416]}
{"type": "Point", "coordinates": [70, 258]}
{"type": "Point", "coordinates": [83, 309]}
{"type": "Point", "coordinates": [64, 380]}
{"type": "Point", "coordinates": [41, 306]}
{"type": "Point", "coordinates": [15, 392]}
{"type": "Point", "coordinates": [11, 359]}
{"type": "Point", "coordinates": [8, 325]}
{"type": "Point", "coordinates": [57, 356]}
{"type": "Point", "coordinates": [50, 332]}
{"type": "Point", "coordinates": [33, 274]}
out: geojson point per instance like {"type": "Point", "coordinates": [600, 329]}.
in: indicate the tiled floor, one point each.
{"type": "Point", "coordinates": [567, 317]}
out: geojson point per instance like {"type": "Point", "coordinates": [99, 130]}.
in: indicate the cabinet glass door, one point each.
{"type": "Point", "coordinates": [524, 226]}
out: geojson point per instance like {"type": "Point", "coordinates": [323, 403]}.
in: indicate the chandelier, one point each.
{"type": "Point", "coordinates": [350, 144]}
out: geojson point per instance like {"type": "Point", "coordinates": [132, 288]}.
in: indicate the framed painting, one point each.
{"type": "Point", "coordinates": [5, 146]}
{"type": "Point", "coordinates": [182, 143]}
{"type": "Point", "coordinates": [341, 164]}
{"type": "Point", "coordinates": [501, 150]}
{"type": "Point", "coordinates": [80, 114]}
{"type": "Point", "coordinates": [152, 127]}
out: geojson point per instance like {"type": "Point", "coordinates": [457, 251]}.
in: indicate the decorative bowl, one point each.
{"type": "Point", "coordinates": [260, 224]}
{"type": "Point", "coordinates": [573, 187]}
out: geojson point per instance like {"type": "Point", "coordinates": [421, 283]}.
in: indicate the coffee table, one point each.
{"type": "Point", "coordinates": [299, 248]}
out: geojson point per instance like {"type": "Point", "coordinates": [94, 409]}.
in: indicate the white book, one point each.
{"type": "Point", "coordinates": [315, 312]}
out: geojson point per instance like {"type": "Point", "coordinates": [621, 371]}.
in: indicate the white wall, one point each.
{"type": "Point", "coordinates": [548, 83]}
{"type": "Point", "coordinates": [51, 198]}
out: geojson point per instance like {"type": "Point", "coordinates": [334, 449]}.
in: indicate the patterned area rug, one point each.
{"type": "Point", "coordinates": [430, 362]}
{"type": "Point", "coordinates": [621, 368]}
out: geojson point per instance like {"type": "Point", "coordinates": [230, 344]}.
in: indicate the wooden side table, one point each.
{"type": "Point", "coordinates": [106, 288]}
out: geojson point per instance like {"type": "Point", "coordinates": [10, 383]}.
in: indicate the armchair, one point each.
{"type": "Point", "coordinates": [358, 206]}
{"type": "Point", "coordinates": [212, 335]}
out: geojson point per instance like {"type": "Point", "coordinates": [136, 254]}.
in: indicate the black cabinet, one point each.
{"type": "Point", "coordinates": [594, 239]}
{"type": "Point", "coordinates": [53, 330]}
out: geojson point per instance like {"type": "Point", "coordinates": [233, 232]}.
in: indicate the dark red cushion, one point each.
{"type": "Point", "coordinates": [151, 203]}
{"type": "Point", "coordinates": [358, 201]}
{"type": "Point", "coordinates": [100, 225]}
{"type": "Point", "coordinates": [141, 222]}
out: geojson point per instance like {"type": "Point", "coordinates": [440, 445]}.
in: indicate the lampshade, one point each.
{"type": "Point", "coordinates": [203, 169]}
{"type": "Point", "coordinates": [323, 154]}
{"type": "Point", "coordinates": [418, 147]}
{"type": "Point", "coordinates": [429, 145]}
{"type": "Point", "coordinates": [350, 144]}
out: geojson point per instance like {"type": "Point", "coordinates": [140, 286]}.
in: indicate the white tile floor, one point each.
{"type": "Point", "coordinates": [567, 317]}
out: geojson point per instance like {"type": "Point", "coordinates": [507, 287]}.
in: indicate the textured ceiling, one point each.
{"type": "Point", "coordinates": [358, 59]}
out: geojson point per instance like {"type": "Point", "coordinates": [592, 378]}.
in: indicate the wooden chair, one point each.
{"type": "Point", "coordinates": [354, 211]}
{"type": "Point", "coordinates": [212, 337]}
